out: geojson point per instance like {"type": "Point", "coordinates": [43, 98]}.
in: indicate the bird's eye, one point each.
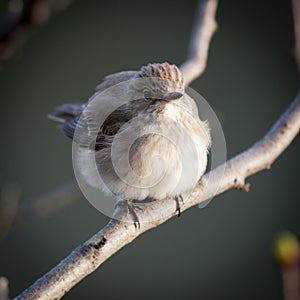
{"type": "Point", "coordinates": [147, 95]}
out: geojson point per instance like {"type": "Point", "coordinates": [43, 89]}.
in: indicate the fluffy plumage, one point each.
{"type": "Point", "coordinates": [146, 137]}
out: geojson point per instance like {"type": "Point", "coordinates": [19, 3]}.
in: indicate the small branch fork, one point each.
{"type": "Point", "coordinates": [120, 231]}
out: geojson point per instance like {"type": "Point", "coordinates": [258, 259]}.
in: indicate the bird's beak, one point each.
{"type": "Point", "coordinates": [172, 96]}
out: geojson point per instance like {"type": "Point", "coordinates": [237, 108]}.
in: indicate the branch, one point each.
{"type": "Point", "coordinates": [12, 214]}
{"type": "Point", "coordinates": [203, 30]}
{"type": "Point", "coordinates": [296, 13]}
{"type": "Point", "coordinates": [4, 290]}
{"type": "Point", "coordinates": [9, 201]}
{"type": "Point", "coordinates": [21, 18]}
{"type": "Point", "coordinates": [120, 231]}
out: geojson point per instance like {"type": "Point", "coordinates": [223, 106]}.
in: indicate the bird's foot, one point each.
{"type": "Point", "coordinates": [131, 208]}
{"type": "Point", "coordinates": [179, 202]}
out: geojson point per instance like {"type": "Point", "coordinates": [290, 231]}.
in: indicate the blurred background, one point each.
{"type": "Point", "coordinates": [223, 251]}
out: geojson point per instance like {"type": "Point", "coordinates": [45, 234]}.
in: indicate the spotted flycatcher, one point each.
{"type": "Point", "coordinates": [139, 135]}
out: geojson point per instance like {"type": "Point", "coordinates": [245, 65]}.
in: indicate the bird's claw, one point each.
{"type": "Point", "coordinates": [179, 201]}
{"type": "Point", "coordinates": [131, 209]}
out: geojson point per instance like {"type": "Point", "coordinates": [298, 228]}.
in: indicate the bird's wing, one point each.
{"type": "Point", "coordinates": [113, 123]}
{"type": "Point", "coordinates": [85, 129]}
{"type": "Point", "coordinates": [117, 118]}
{"type": "Point", "coordinates": [71, 118]}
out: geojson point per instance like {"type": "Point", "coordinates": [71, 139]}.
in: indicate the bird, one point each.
{"type": "Point", "coordinates": [139, 135]}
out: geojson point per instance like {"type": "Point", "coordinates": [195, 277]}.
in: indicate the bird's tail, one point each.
{"type": "Point", "coordinates": [66, 112]}
{"type": "Point", "coordinates": [68, 117]}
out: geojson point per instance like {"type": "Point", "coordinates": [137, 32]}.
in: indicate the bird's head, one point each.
{"type": "Point", "coordinates": [159, 83]}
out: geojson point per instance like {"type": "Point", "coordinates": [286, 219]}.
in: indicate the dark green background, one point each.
{"type": "Point", "coordinates": [223, 251]}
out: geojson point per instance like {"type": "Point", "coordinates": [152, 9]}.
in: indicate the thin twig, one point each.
{"type": "Point", "coordinates": [20, 20]}
{"type": "Point", "coordinates": [50, 203]}
{"type": "Point", "coordinates": [296, 13]}
{"type": "Point", "coordinates": [203, 31]}
{"type": "Point", "coordinates": [11, 213]}
{"type": "Point", "coordinates": [9, 202]}
{"type": "Point", "coordinates": [4, 290]}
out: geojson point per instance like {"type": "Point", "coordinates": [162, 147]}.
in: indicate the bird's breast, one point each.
{"type": "Point", "coordinates": [156, 155]}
